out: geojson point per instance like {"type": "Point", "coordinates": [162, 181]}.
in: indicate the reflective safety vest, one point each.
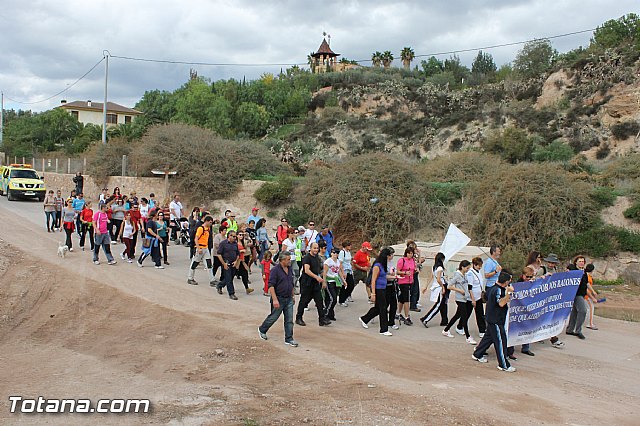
{"type": "Point", "coordinates": [298, 250]}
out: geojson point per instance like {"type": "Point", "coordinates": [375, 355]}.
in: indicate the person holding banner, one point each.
{"type": "Point", "coordinates": [439, 293]}
{"type": "Point", "coordinates": [580, 307]}
{"type": "Point", "coordinates": [498, 297]}
{"type": "Point", "coordinates": [528, 275]}
{"type": "Point", "coordinates": [491, 267]}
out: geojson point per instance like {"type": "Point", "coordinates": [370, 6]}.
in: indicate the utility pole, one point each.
{"type": "Point", "coordinates": [1, 116]}
{"type": "Point", "coordinates": [104, 106]}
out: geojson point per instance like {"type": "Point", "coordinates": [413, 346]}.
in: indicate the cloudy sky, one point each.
{"type": "Point", "coordinates": [48, 45]}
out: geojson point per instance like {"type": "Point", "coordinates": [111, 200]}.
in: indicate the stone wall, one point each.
{"type": "Point", "coordinates": [143, 186]}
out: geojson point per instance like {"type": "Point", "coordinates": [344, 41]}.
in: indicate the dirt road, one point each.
{"type": "Point", "coordinates": [69, 328]}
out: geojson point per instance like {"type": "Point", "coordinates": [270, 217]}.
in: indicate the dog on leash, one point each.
{"type": "Point", "coordinates": [62, 250]}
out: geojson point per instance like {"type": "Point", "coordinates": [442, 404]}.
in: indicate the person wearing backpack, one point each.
{"type": "Point", "coordinates": [311, 286]}
{"type": "Point", "coordinates": [203, 252]}
{"type": "Point", "coordinates": [362, 266]}
{"type": "Point", "coordinates": [346, 259]}
{"type": "Point", "coordinates": [327, 236]}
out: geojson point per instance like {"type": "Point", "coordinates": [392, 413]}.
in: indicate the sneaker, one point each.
{"type": "Point", "coordinates": [122, 256]}
{"type": "Point", "coordinates": [370, 302]}
{"type": "Point", "coordinates": [262, 335]}
{"type": "Point", "coordinates": [291, 343]}
{"type": "Point", "coordinates": [481, 335]}
{"type": "Point", "coordinates": [344, 305]}
{"type": "Point", "coordinates": [395, 326]}
{"type": "Point", "coordinates": [386, 333]}
{"type": "Point", "coordinates": [301, 322]}
{"type": "Point", "coordinates": [459, 331]}
{"type": "Point", "coordinates": [159, 267]}
{"type": "Point", "coordinates": [364, 324]}
{"type": "Point", "coordinates": [114, 242]}
{"type": "Point", "coordinates": [558, 344]}
{"type": "Point", "coordinates": [580, 336]}
{"type": "Point", "coordinates": [400, 318]}
{"type": "Point", "coordinates": [447, 334]}
{"type": "Point", "coordinates": [130, 260]}
{"type": "Point", "coordinates": [508, 370]}
{"type": "Point", "coordinates": [192, 281]}
{"type": "Point", "coordinates": [408, 321]}
{"type": "Point", "coordinates": [415, 309]}
{"type": "Point", "coordinates": [424, 323]}
{"type": "Point", "coordinates": [512, 357]}
{"type": "Point", "coordinates": [528, 353]}
{"type": "Point", "coordinates": [233, 297]}
{"type": "Point", "coordinates": [139, 264]}
{"type": "Point", "coordinates": [219, 290]}
{"type": "Point", "coordinates": [306, 309]}
{"type": "Point", "coordinates": [112, 262]}
{"type": "Point", "coordinates": [471, 341]}
{"type": "Point", "coordinates": [96, 262]}
{"type": "Point", "coordinates": [482, 359]}
{"type": "Point", "coordinates": [249, 290]}
{"type": "Point", "coordinates": [349, 299]}
{"type": "Point", "coordinates": [166, 263]}
{"type": "Point", "coordinates": [82, 248]}
{"type": "Point", "coordinates": [71, 249]}
{"type": "Point", "coordinates": [213, 283]}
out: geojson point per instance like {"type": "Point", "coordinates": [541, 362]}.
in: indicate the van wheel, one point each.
{"type": "Point", "coordinates": [10, 196]}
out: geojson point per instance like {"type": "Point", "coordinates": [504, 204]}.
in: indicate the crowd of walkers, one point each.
{"type": "Point", "coordinates": [308, 262]}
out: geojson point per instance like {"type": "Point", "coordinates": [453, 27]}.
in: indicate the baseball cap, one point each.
{"type": "Point", "coordinates": [367, 245]}
{"type": "Point", "coordinates": [255, 209]}
{"type": "Point", "coordinates": [301, 228]}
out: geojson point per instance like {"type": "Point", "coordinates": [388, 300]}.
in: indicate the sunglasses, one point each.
{"type": "Point", "coordinates": [284, 221]}
{"type": "Point", "coordinates": [312, 224]}
{"type": "Point", "coordinates": [528, 276]}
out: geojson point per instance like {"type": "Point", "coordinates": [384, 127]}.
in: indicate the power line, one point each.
{"type": "Point", "coordinates": [62, 91]}
{"type": "Point", "coordinates": [211, 64]}
{"type": "Point", "coordinates": [226, 64]}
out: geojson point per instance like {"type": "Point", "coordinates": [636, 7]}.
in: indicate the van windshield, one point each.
{"type": "Point", "coordinates": [24, 174]}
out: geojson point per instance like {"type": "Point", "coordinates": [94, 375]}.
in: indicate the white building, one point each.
{"type": "Point", "coordinates": [88, 112]}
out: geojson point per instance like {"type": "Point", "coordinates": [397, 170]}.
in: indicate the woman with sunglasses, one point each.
{"type": "Point", "coordinates": [528, 275]}
{"type": "Point", "coordinates": [534, 261]}
{"type": "Point", "coordinates": [245, 257]}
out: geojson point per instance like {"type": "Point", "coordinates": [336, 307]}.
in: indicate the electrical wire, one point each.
{"type": "Point", "coordinates": [60, 92]}
{"type": "Point", "coordinates": [451, 52]}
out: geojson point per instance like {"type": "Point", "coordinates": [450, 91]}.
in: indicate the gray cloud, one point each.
{"type": "Point", "coordinates": [48, 45]}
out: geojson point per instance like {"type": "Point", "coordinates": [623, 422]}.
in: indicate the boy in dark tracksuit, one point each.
{"type": "Point", "coordinates": [498, 298]}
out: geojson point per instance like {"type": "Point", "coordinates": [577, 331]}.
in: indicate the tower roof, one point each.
{"type": "Point", "coordinates": [325, 50]}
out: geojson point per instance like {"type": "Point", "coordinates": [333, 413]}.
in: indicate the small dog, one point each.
{"type": "Point", "coordinates": [62, 250]}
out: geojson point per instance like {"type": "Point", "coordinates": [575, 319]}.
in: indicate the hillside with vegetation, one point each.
{"type": "Point", "coordinates": [527, 154]}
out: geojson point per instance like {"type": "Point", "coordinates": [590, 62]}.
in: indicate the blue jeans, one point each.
{"type": "Point", "coordinates": [51, 220]}
{"type": "Point", "coordinates": [286, 306]}
{"type": "Point", "coordinates": [102, 240]}
{"type": "Point", "coordinates": [227, 279]}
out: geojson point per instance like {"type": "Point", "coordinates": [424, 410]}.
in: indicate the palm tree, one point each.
{"type": "Point", "coordinates": [376, 58]}
{"type": "Point", "coordinates": [312, 62]}
{"type": "Point", "coordinates": [387, 58]}
{"type": "Point", "coordinates": [407, 55]}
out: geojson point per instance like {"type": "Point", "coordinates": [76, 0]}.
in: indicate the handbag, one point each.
{"type": "Point", "coordinates": [146, 243]}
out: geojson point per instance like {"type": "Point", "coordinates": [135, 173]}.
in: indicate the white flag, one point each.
{"type": "Point", "coordinates": [454, 241]}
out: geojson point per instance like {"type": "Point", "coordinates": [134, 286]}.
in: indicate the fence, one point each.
{"type": "Point", "coordinates": [68, 165]}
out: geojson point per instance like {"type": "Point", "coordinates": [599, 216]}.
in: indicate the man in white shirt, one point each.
{"type": "Point", "coordinates": [175, 213]}
{"type": "Point", "coordinates": [310, 235]}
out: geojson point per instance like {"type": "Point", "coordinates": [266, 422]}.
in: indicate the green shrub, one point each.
{"type": "Point", "coordinates": [598, 241]}
{"type": "Point", "coordinates": [297, 216]}
{"type": "Point", "coordinates": [555, 151]}
{"type": "Point", "coordinates": [512, 144]}
{"type": "Point", "coordinates": [275, 193]}
{"type": "Point", "coordinates": [460, 167]}
{"type": "Point", "coordinates": [604, 283]}
{"type": "Point", "coordinates": [628, 240]}
{"type": "Point", "coordinates": [633, 212]}
{"type": "Point", "coordinates": [104, 160]}
{"type": "Point", "coordinates": [529, 206]}
{"type": "Point", "coordinates": [208, 166]}
{"type": "Point", "coordinates": [604, 196]}
{"type": "Point", "coordinates": [625, 129]}
{"type": "Point", "coordinates": [446, 192]}
{"type": "Point", "coordinates": [627, 167]}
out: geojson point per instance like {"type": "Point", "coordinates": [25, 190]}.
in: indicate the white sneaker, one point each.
{"type": "Point", "coordinates": [114, 242]}
{"type": "Point", "coordinates": [447, 334]}
{"type": "Point", "coordinates": [139, 264]}
{"type": "Point", "coordinates": [481, 335]}
{"type": "Point", "coordinates": [344, 304]}
{"type": "Point", "coordinates": [349, 299]}
{"type": "Point", "coordinates": [386, 333]}
{"type": "Point", "coordinates": [96, 262]}
{"type": "Point", "coordinates": [71, 249]}
{"type": "Point", "coordinates": [122, 256]}
{"type": "Point", "coordinates": [395, 326]}
{"type": "Point", "coordinates": [306, 309]}
{"type": "Point", "coordinates": [364, 324]}
{"type": "Point", "coordinates": [113, 262]}
{"type": "Point", "coordinates": [482, 359]}
{"type": "Point", "coordinates": [130, 260]}
{"type": "Point", "coordinates": [471, 341]}
{"type": "Point", "coordinates": [459, 331]}
{"type": "Point", "coordinates": [160, 267]}
{"type": "Point", "coordinates": [508, 370]}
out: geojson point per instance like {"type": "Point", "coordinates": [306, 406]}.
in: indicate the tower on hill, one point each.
{"type": "Point", "coordinates": [323, 60]}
